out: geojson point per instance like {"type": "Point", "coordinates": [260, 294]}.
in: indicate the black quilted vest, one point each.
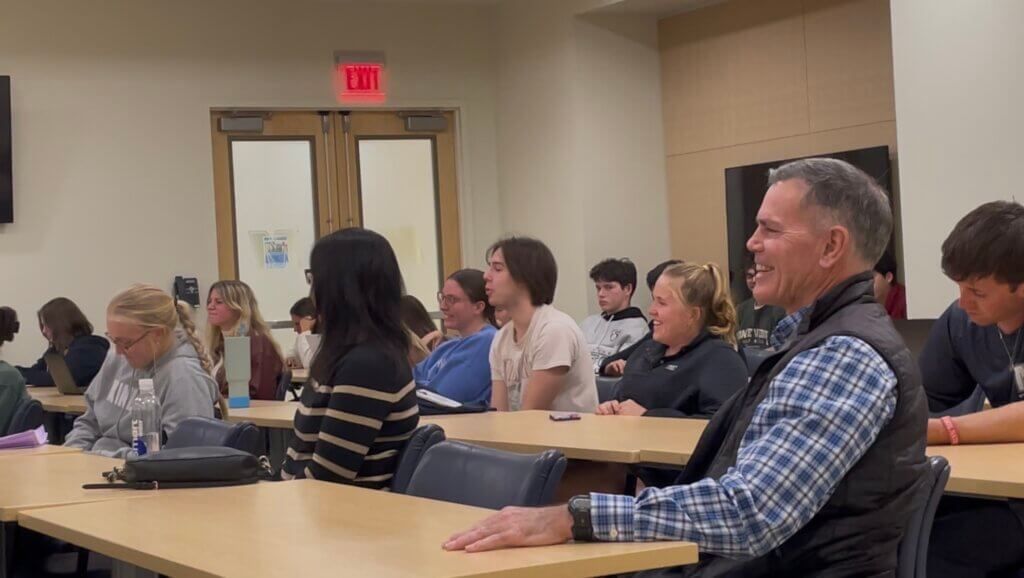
{"type": "Point", "coordinates": [858, 530]}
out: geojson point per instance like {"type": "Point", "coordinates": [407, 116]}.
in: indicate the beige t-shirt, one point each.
{"type": "Point", "coordinates": [552, 340]}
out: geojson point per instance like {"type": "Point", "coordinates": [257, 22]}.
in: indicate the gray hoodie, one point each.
{"type": "Point", "coordinates": [179, 382]}
{"type": "Point", "coordinates": [608, 334]}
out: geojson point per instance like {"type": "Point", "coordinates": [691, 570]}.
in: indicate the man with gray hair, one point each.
{"type": "Point", "coordinates": [816, 467]}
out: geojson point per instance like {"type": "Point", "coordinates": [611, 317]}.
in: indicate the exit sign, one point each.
{"type": "Point", "coordinates": [359, 77]}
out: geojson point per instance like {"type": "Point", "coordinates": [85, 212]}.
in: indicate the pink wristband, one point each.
{"type": "Point", "coordinates": [954, 435]}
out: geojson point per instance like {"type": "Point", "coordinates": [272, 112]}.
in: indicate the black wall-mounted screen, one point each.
{"type": "Point", "coordinates": [6, 164]}
{"type": "Point", "coordinates": [745, 187]}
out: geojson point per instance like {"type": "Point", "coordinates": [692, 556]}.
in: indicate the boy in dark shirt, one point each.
{"type": "Point", "coordinates": [977, 342]}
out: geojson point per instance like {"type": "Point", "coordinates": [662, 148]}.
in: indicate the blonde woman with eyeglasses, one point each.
{"type": "Point", "coordinates": [232, 310]}
{"type": "Point", "coordinates": [153, 337]}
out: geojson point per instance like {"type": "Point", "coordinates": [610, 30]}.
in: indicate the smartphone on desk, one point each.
{"type": "Point", "coordinates": [563, 416]}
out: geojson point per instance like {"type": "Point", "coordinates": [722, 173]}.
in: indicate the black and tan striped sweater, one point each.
{"type": "Point", "coordinates": [353, 430]}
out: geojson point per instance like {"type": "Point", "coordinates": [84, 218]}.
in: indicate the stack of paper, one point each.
{"type": "Point", "coordinates": [32, 438]}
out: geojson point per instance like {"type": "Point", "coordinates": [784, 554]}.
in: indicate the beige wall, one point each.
{"type": "Point", "coordinates": [579, 139]}
{"type": "Point", "coordinates": [959, 95]}
{"type": "Point", "coordinates": [113, 167]}
{"type": "Point", "coordinates": [750, 81]}
{"type": "Point", "coordinates": [621, 148]}
{"type": "Point", "coordinates": [112, 151]}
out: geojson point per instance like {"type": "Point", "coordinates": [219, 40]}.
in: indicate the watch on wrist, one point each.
{"type": "Point", "coordinates": [582, 528]}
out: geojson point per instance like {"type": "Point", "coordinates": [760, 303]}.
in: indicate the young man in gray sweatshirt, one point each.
{"type": "Point", "coordinates": [619, 325]}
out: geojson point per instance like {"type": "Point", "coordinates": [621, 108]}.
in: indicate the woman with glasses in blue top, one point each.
{"type": "Point", "coordinates": [460, 369]}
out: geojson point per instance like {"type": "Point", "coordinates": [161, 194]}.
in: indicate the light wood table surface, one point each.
{"type": "Point", "coordinates": [615, 439]}
{"type": "Point", "coordinates": [44, 450]}
{"type": "Point", "coordinates": [980, 470]}
{"type": "Point", "coordinates": [268, 414]}
{"type": "Point", "coordinates": [42, 390]}
{"type": "Point", "coordinates": [995, 471]}
{"type": "Point", "coordinates": [56, 402]}
{"type": "Point", "coordinates": [32, 481]}
{"type": "Point", "coordinates": [310, 528]}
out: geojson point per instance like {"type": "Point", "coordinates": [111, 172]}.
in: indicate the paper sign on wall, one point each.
{"type": "Point", "coordinates": [275, 251]}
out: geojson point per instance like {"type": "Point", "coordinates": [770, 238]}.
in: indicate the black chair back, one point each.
{"type": "Point", "coordinates": [284, 385]}
{"type": "Point", "coordinates": [487, 478]}
{"type": "Point", "coordinates": [28, 414]}
{"type": "Point", "coordinates": [606, 388]}
{"type": "Point", "coordinates": [913, 551]}
{"type": "Point", "coordinates": [205, 431]}
{"type": "Point", "coordinates": [424, 438]}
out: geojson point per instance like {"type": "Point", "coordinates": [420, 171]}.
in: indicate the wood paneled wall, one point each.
{"type": "Point", "coordinates": [752, 81]}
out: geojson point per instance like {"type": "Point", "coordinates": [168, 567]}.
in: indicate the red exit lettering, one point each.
{"type": "Point", "coordinates": [360, 82]}
{"type": "Point", "coordinates": [362, 77]}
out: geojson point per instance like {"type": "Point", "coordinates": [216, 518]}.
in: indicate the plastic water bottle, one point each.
{"type": "Point", "coordinates": [145, 420]}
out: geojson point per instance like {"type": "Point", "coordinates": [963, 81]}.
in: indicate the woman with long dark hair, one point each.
{"type": "Point", "coordinates": [359, 407]}
{"type": "Point", "coordinates": [307, 338]}
{"type": "Point", "coordinates": [460, 369]}
{"type": "Point", "coordinates": [69, 334]}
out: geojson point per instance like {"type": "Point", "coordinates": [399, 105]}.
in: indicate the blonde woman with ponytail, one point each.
{"type": "Point", "coordinates": [231, 310]}
{"type": "Point", "coordinates": [153, 337]}
{"type": "Point", "coordinates": [691, 365]}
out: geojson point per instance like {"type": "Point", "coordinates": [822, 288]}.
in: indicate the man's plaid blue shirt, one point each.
{"type": "Point", "coordinates": [820, 415]}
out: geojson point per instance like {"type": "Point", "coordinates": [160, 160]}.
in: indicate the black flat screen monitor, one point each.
{"type": "Point", "coordinates": [6, 176]}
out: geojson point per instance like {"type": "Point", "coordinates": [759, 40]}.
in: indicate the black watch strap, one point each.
{"type": "Point", "coordinates": [582, 526]}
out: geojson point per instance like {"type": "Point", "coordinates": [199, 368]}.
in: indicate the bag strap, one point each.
{"type": "Point", "coordinates": [168, 485]}
{"type": "Point", "coordinates": [265, 473]}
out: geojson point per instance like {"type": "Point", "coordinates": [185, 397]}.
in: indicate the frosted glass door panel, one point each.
{"type": "Point", "coordinates": [275, 222]}
{"type": "Point", "coordinates": [399, 200]}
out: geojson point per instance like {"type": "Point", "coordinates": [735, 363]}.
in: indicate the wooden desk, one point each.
{"type": "Point", "coordinates": [268, 414]}
{"type": "Point", "coordinates": [56, 402]}
{"type": "Point", "coordinates": [616, 439]}
{"type": "Point", "coordinates": [42, 390]}
{"type": "Point", "coordinates": [30, 481]}
{"type": "Point", "coordinates": [240, 531]}
{"type": "Point", "coordinates": [47, 450]}
{"type": "Point", "coordinates": [995, 471]}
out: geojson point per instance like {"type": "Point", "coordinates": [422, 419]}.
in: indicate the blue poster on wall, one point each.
{"type": "Point", "coordinates": [275, 251]}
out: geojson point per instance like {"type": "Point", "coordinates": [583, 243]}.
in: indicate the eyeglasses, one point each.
{"type": "Point", "coordinates": [448, 300]}
{"type": "Point", "coordinates": [130, 344]}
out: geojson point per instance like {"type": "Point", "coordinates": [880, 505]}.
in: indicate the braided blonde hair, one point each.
{"type": "Point", "coordinates": [707, 287]}
{"type": "Point", "coordinates": [150, 307]}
